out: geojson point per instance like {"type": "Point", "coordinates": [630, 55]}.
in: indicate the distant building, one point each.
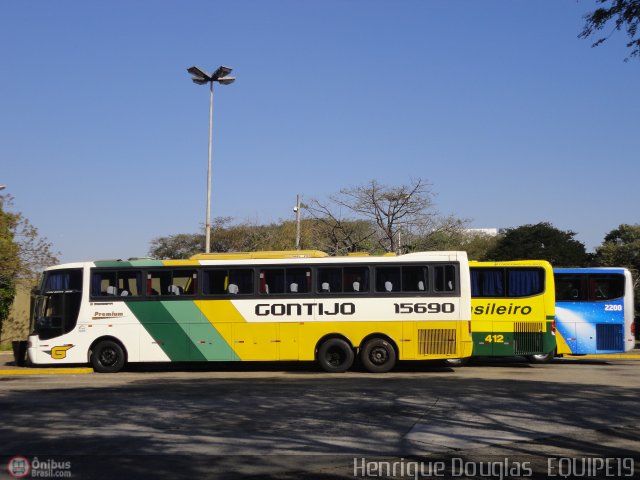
{"type": "Point", "coordinates": [487, 231]}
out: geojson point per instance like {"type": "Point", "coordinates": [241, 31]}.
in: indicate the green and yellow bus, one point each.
{"type": "Point", "coordinates": [513, 310]}
{"type": "Point", "coordinates": [263, 306]}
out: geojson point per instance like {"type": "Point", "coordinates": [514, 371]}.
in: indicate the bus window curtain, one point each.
{"type": "Point", "coordinates": [487, 283]}
{"type": "Point", "coordinates": [96, 283]}
{"type": "Point", "coordinates": [523, 283]}
{"type": "Point", "coordinates": [58, 281]}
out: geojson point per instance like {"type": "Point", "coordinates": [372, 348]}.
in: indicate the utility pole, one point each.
{"type": "Point", "coordinates": [296, 209]}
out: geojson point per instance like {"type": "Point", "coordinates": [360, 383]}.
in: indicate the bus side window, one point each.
{"type": "Point", "coordinates": [329, 280]}
{"type": "Point", "coordinates": [414, 279]}
{"type": "Point", "coordinates": [101, 283]}
{"type": "Point", "coordinates": [445, 278]}
{"type": "Point", "coordinates": [243, 278]}
{"type": "Point", "coordinates": [387, 279]}
{"type": "Point", "coordinates": [356, 279]}
{"type": "Point", "coordinates": [158, 282]}
{"type": "Point", "coordinates": [298, 280]}
{"type": "Point", "coordinates": [272, 281]}
{"type": "Point", "coordinates": [183, 282]}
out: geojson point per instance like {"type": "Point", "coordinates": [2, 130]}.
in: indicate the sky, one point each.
{"type": "Point", "coordinates": [498, 105]}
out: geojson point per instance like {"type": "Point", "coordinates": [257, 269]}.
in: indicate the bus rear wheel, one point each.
{"type": "Point", "coordinates": [541, 358]}
{"type": "Point", "coordinates": [107, 357]}
{"type": "Point", "coordinates": [378, 355]}
{"type": "Point", "coordinates": [335, 355]}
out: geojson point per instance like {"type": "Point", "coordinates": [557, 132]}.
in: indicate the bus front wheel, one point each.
{"type": "Point", "coordinates": [378, 355]}
{"type": "Point", "coordinates": [335, 355]}
{"type": "Point", "coordinates": [107, 357]}
{"type": "Point", "coordinates": [541, 358]}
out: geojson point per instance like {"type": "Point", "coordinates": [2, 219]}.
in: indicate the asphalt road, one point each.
{"type": "Point", "coordinates": [292, 421]}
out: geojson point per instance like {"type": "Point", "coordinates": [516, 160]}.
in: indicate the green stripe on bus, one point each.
{"type": "Point", "coordinates": [203, 335]}
{"type": "Point", "coordinates": [551, 317]}
{"type": "Point", "coordinates": [165, 330]}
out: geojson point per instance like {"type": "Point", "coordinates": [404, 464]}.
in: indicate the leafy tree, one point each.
{"type": "Point", "coordinates": [179, 246]}
{"type": "Point", "coordinates": [541, 241]}
{"type": "Point", "coordinates": [23, 255]}
{"type": "Point", "coordinates": [476, 244]}
{"type": "Point", "coordinates": [621, 248]}
{"type": "Point", "coordinates": [624, 14]}
{"type": "Point", "coordinates": [243, 237]}
{"type": "Point", "coordinates": [9, 260]}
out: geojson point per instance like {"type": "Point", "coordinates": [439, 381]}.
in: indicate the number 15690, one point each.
{"type": "Point", "coordinates": [432, 307]}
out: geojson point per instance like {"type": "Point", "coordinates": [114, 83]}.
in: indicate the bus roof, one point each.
{"type": "Point", "coordinates": [605, 270]}
{"type": "Point", "coordinates": [510, 263]}
{"type": "Point", "coordinates": [272, 258]}
{"type": "Point", "coordinates": [260, 254]}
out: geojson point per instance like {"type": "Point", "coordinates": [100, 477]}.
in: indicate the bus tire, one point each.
{"type": "Point", "coordinates": [541, 358]}
{"type": "Point", "coordinates": [456, 362]}
{"type": "Point", "coordinates": [107, 356]}
{"type": "Point", "coordinates": [335, 355]}
{"type": "Point", "coordinates": [378, 355]}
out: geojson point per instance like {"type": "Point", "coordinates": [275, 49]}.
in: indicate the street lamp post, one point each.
{"type": "Point", "coordinates": [199, 76]}
{"type": "Point", "coordinates": [296, 209]}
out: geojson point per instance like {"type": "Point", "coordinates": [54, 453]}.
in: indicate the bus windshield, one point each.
{"type": "Point", "coordinates": [57, 303]}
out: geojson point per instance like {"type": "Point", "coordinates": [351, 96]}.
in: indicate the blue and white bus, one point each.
{"type": "Point", "coordinates": [594, 310]}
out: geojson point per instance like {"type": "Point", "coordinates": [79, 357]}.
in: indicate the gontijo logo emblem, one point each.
{"type": "Point", "coordinates": [58, 353]}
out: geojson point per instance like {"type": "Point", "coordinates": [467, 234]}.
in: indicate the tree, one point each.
{"type": "Point", "coordinates": [243, 237]}
{"type": "Point", "coordinates": [9, 260]}
{"type": "Point", "coordinates": [337, 235]}
{"type": "Point", "coordinates": [621, 248]}
{"type": "Point", "coordinates": [398, 216]}
{"type": "Point", "coordinates": [542, 242]}
{"type": "Point", "coordinates": [475, 243]}
{"type": "Point", "coordinates": [23, 255]}
{"type": "Point", "coordinates": [178, 246]}
{"type": "Point", "coordinates": [624, 13]}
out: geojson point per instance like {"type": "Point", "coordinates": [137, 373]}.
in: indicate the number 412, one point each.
{"type": "Point", "coordinates": [494, 338]}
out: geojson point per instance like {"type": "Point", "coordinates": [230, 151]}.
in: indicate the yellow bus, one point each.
{"type": "Point", "coordinates": [513, 310]}
{"type": "Point", "coordinates": [267, 306]}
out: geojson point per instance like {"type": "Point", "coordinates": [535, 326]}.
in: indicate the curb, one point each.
{"type": "Point", "coordinates": [47, 371]}
{"type": "Point", "coordinates": [618, 356]}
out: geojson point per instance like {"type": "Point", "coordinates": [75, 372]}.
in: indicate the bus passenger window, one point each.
{"type": "Point", "coordinates": [272, 281]}
{"type": "Point", "coordinates": [243, 278]}
{"type": "Point", "coordinates": [445, 278]}
{"type": "Point", "coordinates": [356, 279]}
{"type": "Point", "coordinates": [387, 279]}
{"type": "Point", "coordinates": [298, 280]}
{"type": "Point", "coordinates": [184, 281]}
{"type": "Point", "coordinates": [228, 282]}
{"type": "Point", "coordinates": [129, 283]}
{"type": "Point", "coordinates": [216, 282]}
{"type": "Point", "coordinates": [570, 288]}
{"type": "Point", "coordinates": [100, 283]}
{"type": "Point", "coordinates": [606, 287]}
{"type": "Point", "coordinates": [158, 282]}
{"type": "Point", "coordinates": [329, 280]}
{"type": "Point", "coordinates": [524, 282]}
{"type": "Point", "coordinates": [414, 279]}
